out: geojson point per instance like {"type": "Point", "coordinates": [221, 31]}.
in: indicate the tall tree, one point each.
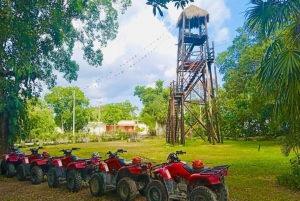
{"type": "Point", "coordinates": [279, 20]}
{"type": "Point", "coordinates": [155, 101]}
{"type": "Point", "coordinates": [62, 100]}
{"type": "Point", "coordinates": [37, 39]}
{"type": "Point", "coordinates": [114, 112]}
{"type": "Point", "coordinates": [246, 111]}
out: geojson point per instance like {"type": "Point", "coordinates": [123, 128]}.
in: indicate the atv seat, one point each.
{"type": "Point", "coordinates": [191, 170]}
{"type": "Point", "coordinates": [39, 156]}
{"type": "Point", "coordinates": [124, 163]}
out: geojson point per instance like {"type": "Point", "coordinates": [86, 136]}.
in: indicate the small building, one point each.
{"type": "Point", "coordinates": [96, 128]}
{"type": "Point", "coordinates": [131, 126]}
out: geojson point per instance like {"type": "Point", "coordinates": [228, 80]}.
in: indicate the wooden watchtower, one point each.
{"type": "Point", "coordinates": [192, 105]}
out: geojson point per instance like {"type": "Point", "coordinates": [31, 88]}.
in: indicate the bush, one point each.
{"type": "Point", "coordinates": [291, 179]}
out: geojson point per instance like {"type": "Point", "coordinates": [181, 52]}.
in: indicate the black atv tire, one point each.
{"type": "Point", "coordinates": [126, 189]}
{"type": "Point", "coordinates": [202, 193]}
{"type": "Point", "coordinates": [10, 170]}
{"type": "Point", "coordinates": [21, 176]}
{"type": "Point", "coordinates": [156, 191]}
{"type": "Point", "coordinates": [52, 178]}
{"type": "Point", "coordinates": [97, 185]}
{"type": "Point", "coordinates": [74, 181]}
{"type": "Point", "coordinates": [36, 175]}
{"type": "Point", "coordinates": [221, 192]}
{"type": "Point", "coordinates": [3, 165]}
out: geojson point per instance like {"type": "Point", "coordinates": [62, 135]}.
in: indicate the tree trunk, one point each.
{"type": "Point", "coordinates": [4, 129]}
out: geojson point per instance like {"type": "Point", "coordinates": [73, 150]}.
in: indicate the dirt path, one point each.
{"type": "Point", "coordinates": [13, 190]}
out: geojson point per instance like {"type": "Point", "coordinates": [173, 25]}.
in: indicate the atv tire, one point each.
{"type": "Point", "coordinates": [10, 170]}
{"type": "Point", "coordinates": [221, 192]}
{"type": "Point", "coordinates": [97, 185]}
{"type": "Point", "coordinates": [21, 172]}
{"type": "Point", "coordinates": [52, 178]}
{"type": "Point", "coordinates": [74, 181]}
{"type": "Point", "coordinates": [156, 191]}
{"type": "Point", "coordinates": [202, 193]}
{"type": "Point", "coordinates": [126, 189]}
{"type": "Point", "coordinates": [3, 165]}
{"type": "Point", "coordinates": [36, 175]}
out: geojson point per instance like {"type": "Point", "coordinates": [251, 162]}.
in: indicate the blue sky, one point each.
{"type": "Point", "coordinates": [145, 51]}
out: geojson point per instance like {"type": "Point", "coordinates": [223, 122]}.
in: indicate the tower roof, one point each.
{"type": "Point", "coordinates": [192, 12]}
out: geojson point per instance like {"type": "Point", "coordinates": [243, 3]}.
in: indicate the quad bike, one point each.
{"type": "Point", "coordinates": [11, 161]}
{"type": "Point", "coordinates": [23, 170]}
{"type": "Point", "coordinates": [39, 167]}
{"type": "Point", "coordinates": [58, 172]}
{"type": "Point", "coordinates": [82, 170]}
{"type": "Point", "coordinates": [125, 177]}
{"type": "Point", "coordinates": [176, 180]}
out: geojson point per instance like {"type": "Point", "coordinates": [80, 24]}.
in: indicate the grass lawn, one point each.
{"type": "Point", "coordinates": [252, 173]}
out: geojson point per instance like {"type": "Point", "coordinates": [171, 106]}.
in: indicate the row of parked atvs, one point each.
{"type": "Point", "coordinates": [172, 180]}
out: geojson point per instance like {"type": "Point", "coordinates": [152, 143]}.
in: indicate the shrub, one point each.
{"type": "Point", "coordinates": [291, 179]}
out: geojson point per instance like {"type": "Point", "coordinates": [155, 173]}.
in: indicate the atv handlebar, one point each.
{"type": "Point", "coordinates": [180, 152]}
{"type": "Point", "coordinates": [69, 151]}
{"type": "Point", "coordinates": [121, 151]}
{"type": "Point", "coordinates": [115, 154]}
{"type": "Point", "coordinates": [35, 150]}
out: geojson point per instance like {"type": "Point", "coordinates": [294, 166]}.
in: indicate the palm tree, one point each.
{"type": "Point", "coordinates": [279, 21]}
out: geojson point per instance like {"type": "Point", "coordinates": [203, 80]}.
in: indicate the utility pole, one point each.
{"type": "Point", "coordinates": [74, 115]}
{"type": "Point", "coordinates": [99, 114]}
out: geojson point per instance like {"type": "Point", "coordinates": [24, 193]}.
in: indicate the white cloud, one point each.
{"type": "Point", "coordinates": [222, 35]}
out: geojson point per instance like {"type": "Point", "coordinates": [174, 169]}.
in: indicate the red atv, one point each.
{"type": "Point", "coordinates": [82, 170]}
{"type": "Point", "coordinates": [39, 168]}
{"type": "Point", "coordinates": [126, 177]}
{"type": "Point", "coordinates": [11, 161]}
{"type": "Point", "coordinates": [23, 170]}
{"type": "Point", "coordinates": [176, 180]}
{"type": "Point", "coordinates": [59, 170]}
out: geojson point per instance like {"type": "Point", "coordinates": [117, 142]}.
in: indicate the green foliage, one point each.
{"type": "Point", "coordinates": [155, 101]}
{"type": "Point", "coordinates": [245, 109]}
{"type": "Point", "coordinates": [61, 100]}
{"type": "Point", "coordinates": [157, 4]}
{"type": "Point", "coordinates": [114, 112]}
{"type": "Point", "coordinates": [41, 120]}
{"type": "Point", "coordinates": [228, 59]}
{"type": "Point", "coordinates": [291, 179]}
{"type": "Point", "coordinates": [279, 21]}
{"type": "Point", "coordinates": [37, 39]}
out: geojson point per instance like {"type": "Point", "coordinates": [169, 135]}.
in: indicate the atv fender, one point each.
{"type": "Point", "coordinates": [205, 179]}
{"type": "Point", "coordinates": [76, 165]}
{"type": "Point", "coordinates": [13, 159]}
{"type": "Point", "coordinates": [57, 162]}
{"type": "Point", "coordinates": [134, 169]}
{"type": "Point", "coordinates": [103, 167]}
{"type": "Point", "coordinates": [5, 156]}
{"type": "Point", "coordinates": [163, 172]}
{"type": "Point", "coordinates": [25, 160]}
{"type": "Point", "coordinates": [39, 162]}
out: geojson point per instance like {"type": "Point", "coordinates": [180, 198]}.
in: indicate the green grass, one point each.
{"type": "Point", "coordinates": [252, 173]}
